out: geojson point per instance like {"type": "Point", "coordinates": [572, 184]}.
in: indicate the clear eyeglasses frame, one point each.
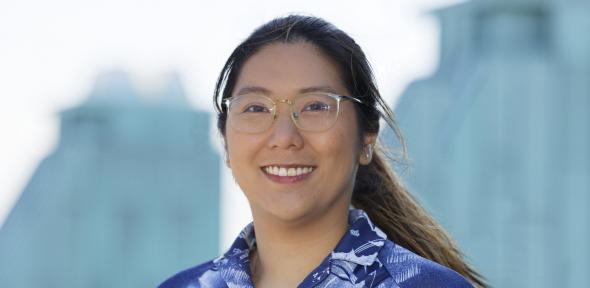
{"type": "Point", "coordinates": [311, 112]}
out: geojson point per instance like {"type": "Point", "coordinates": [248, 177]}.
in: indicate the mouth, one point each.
{"type": "Point", "coordinates": [287, 173]}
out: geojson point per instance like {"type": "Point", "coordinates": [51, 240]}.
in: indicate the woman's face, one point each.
{"type": "Point", "coordinates": [283, 71]}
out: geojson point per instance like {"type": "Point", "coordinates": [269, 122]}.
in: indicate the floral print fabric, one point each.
{"type": "Point", "coordinates": [364, 257]}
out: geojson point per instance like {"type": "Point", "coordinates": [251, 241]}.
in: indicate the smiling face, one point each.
{"type": "Point", "coordinates": [287, 173]}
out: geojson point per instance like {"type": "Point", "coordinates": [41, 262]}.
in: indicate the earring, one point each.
{"type": "Point", "coordinates": [369, 152]}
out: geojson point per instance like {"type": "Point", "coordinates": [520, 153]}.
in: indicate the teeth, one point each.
{"type": "Point", "coordinates": [282, 171]}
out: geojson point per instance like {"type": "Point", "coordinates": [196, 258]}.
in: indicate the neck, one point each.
{"type": "Point", "coordinates": [287, 252]}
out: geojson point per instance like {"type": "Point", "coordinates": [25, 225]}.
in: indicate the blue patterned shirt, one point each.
{"type": "Point", "coordinates": [364, 257]}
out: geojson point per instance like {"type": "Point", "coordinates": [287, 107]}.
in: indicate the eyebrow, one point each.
{"type": "Point", "coordinates": [253, 89]}
{"type": "Point", "coordinates": [264, 91]}
{"type": "Point", "coordinates": [327, 89]}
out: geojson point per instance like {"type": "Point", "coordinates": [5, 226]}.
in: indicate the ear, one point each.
{"type": "Point", "coordinates": [367, 149]}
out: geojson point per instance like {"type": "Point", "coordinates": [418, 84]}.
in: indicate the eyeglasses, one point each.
{"type": "Point", "coordinates": [313, 112]}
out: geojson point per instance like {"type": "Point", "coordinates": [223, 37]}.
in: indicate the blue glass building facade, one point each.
{"type": "Point", "coordinates": [499, 139]}
{"type": "Point", "coordinates": [129, 196]}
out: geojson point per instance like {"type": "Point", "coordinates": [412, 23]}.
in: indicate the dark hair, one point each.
{"type": "Point", "coordinates": [377, 188]}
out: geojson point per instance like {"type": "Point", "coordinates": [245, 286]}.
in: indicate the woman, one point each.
{"type": "Point", "coordinates": [299, 112]}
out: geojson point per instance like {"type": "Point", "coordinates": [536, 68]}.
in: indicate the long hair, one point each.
{"type": "Point", "coordinates": [377, 188]}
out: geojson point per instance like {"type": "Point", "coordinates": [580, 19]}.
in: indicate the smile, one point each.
{"type": "Point", "coordinates": [287, 171]}
{"type": "Point", "coordinates": [287, 174]}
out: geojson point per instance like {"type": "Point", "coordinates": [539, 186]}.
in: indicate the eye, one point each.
{"type": "Point", "coordinates": [317, 106]}
{"type": "Point", "coordinates": [254, 108]}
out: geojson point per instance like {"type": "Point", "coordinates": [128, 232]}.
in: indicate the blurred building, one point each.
{"type": "Point", "coordinates": [499, 139]}
{"type": "Point", "coordinates": [129, 196]}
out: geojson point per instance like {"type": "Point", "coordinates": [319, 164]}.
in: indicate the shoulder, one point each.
{"type": "Point", "coordinates": [189, 277]}
{"type": "Point", "coordinates": [410, 270]}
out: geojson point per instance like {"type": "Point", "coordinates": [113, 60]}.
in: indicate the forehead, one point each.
{"type": "Point", "coordinates": [288, 68]}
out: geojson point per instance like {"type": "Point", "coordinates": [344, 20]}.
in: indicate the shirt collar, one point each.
{"type": "Point", "coordinates": [359, 245]}
{"type": "Point", "coordinates": [240, 249]}
{"type": "Point", "coordinates": [362, 242]}
{"type": "Point", "coordinates": [234, 264]}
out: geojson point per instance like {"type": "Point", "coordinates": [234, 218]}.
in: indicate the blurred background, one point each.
{"type": "Point", "coordinates": [112, 172]}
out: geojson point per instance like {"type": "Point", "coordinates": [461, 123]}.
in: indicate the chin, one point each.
{"type": "Point", "coordinates": [296, 207]}
{"type": "Point", "coordinates": [290, 212]}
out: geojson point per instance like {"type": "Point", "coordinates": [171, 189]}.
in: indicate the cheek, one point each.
{"type": "Point", "coordinates": [340, 148]}
{"type": "Point", "coordinates": [237, 149]}
{"type": "Point", "coordinates": [242, 150]}
{"type": "Point", "coordinates": [347, 139]}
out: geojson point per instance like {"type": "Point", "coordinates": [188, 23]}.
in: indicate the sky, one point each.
{"type": "Point", "coordinates": [52, 51]}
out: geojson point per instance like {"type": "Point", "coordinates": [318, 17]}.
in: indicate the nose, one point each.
{"type": "Point", "coordinates": [284, 133]}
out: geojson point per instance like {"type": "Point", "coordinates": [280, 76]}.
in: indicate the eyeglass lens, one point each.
{"type": "Point", "coordinates": [256, 113]}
